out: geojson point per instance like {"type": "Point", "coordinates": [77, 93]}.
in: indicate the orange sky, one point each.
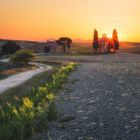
{"type": "Point", "coordinates": [42, 19]}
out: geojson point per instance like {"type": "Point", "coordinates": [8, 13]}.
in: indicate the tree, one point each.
{"type": "Point", "coordinates": [10, 47]}
{"type": "Point", "coordinates": [95, 40]}
{"type": "Point", "coordinates": [115, 39]}
{"type": "Point", "coordinates": [22, 57]}
{"type": "Point", "coordinates": [65, 42]}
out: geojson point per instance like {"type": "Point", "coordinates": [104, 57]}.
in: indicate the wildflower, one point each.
{"type": "Point", "coordinates": [27, 103]}
{"type": "Point", "coordinates": [14, 111]}
{"type": "Point", "coordinates": [50, 96]}
{"type": "Point", "coordinates": [8, 104]}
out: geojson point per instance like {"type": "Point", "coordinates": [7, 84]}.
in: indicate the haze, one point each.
{"type": "Point", "coordinates": [43, 19]}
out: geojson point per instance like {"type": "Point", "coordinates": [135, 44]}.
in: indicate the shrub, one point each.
{"type": "Point", "coordinates": [22, 57]}
{"type": "Point", "coordinates": [10, 47]}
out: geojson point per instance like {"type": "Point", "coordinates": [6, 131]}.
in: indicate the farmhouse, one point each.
{"type": "Point", "coordinates": [46, 47]}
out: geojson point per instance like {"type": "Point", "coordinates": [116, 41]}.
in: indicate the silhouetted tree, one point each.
{"type": "Point", "coordinates": [65, 42]}
{"type": "Point", "coordinates": [95, 40]}
{"type": "Point", "coordinates": [10, 47]}
{"type": "Point", "coordinates": [115, 39]}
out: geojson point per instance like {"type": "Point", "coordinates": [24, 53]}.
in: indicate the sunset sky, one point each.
{"type": "Point", "coordinates": [43, 19]}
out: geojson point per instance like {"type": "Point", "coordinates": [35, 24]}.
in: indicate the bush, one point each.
{"type": "Point", "coordinates": [10, 47]}
{"type": "Point", "coordinates": [22, 57]}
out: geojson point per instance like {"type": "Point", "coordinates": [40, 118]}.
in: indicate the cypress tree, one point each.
{"type": "Point", "coordinates": [115, 39]}
{"type": "Point", "coordinates": [95, 40]}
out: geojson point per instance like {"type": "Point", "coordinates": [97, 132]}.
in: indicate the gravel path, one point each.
{"type": "Point", "coordinates": [22, 77]}
{"type": "Point", "coordinates": [117, 57]}
{"type": "Point", "coordinates": [101, 101]}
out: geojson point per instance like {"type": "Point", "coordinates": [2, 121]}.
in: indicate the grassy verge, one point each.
{"type": "Point", "coordinates": [26, 88]}
{"type": "Point", "coordinates": [33, 112]}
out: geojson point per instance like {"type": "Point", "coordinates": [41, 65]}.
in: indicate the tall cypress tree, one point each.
{"type": "Point", "coordinates": [95, 40]}
{"type": "Point", "coordinates": [115, 39]}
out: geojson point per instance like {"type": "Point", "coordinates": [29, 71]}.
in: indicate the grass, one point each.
{"type": "Point", "coordinates": [26, 88]}
{"type": "Point", "coordinates": [31, 113]}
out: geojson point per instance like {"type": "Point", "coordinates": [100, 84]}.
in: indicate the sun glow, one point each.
{"type": "Point", "coordinates": [39, 20]}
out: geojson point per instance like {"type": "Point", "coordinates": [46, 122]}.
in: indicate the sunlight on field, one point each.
{"type": "Point", "coordinates": [87, 47]}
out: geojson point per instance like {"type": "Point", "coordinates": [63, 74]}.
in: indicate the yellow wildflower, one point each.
{"type": "Point", "coordinates": [27, 102]}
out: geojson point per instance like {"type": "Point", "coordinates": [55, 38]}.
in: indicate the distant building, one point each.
{"type": "Point", "coordinates": [46, 47]}
{"type": "Point", "coordinates": [104, 43]}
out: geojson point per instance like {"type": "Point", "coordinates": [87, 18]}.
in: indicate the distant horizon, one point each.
{"type": "Point", "coordinates": [74, 40]}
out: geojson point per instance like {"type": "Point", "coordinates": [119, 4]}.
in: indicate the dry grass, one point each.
{"type": "Point", "coordinates": [13, 71]}
{"type": "Point", "coordinates": [9, 69]}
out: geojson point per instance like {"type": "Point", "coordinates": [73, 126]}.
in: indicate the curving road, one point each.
{"type": "Point", "coordinates": [118, 57]}
{"type": "Point", "coordinates": [22, 77]}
